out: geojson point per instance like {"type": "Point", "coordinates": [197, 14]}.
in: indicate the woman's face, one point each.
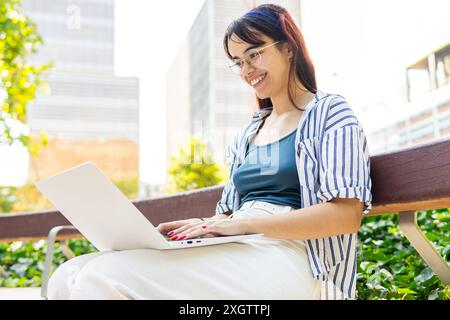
{"type": "Point", "coordinates": [272, 70]}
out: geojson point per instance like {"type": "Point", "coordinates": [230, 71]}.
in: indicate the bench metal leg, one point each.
{"type": "Point", "coordinates": [408, 225]}
{"type": "Point", "coordinates": [66, 250]}
{"type": "Point", "coordinates": [49, 257]}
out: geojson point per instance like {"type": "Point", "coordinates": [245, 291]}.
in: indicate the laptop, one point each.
{"type": "Point", "coordinates": [106, 217]}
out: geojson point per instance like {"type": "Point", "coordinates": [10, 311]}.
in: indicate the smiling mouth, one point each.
{"type": "Point", "coordinates": [256, 82]}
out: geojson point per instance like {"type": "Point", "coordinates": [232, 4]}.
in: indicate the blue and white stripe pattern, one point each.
{"type": "Point", "coordinates": [332, 159]}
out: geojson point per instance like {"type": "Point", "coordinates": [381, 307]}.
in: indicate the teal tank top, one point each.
{"type": "Point", "coordinates": [269, 173]}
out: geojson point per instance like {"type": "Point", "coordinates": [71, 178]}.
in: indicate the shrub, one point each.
{"type": "Point", "coordinates": [390, 268]}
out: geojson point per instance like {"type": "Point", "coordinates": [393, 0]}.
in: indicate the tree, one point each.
{"type": "Point", "coordinates": [194, 168]}
{"type": "Point", "coordinates": [19, 80]}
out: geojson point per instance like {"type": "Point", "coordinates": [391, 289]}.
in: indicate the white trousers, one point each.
{"type": "Point", "coordinates": [261, 269]}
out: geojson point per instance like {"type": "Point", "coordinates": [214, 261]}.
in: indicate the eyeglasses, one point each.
{"type": "Point", "coordinates": [252, 57]}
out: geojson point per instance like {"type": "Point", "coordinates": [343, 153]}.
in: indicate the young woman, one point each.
{"type": "Point", "coordinates": [300, 174]}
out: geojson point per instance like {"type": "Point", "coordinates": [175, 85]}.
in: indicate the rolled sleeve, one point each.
{"type": "Point", "coordinates": [345, 166]}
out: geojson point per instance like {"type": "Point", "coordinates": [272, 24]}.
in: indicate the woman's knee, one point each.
{"type": "Point", "coordinates": [106, 277]}
{"type": "Point", "coordinates": [61, 281]}
{"type": "Point", "coordinates": [114, 276]}
{"type": "Point", "coordinates": [119, 263]}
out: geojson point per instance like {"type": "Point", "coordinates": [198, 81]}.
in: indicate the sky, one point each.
{"type": "Point", "coordinates": [366, 52]}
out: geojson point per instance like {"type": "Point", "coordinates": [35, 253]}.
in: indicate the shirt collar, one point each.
{"type": "Point", "coordinates": [261, 114]}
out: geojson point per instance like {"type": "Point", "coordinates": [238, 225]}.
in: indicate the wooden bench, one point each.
{"type": "Point", "coordinates": [403, 181]}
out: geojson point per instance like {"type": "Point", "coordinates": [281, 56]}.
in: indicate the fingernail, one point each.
{"type": "Point", "coordinates": [170, 233]}
{"type": "Point", "coordinates": [174, 238]}
{"type": "Point", "coordinates": [183, 237]}
{"type": "Point", "coordinates": [203, 227]}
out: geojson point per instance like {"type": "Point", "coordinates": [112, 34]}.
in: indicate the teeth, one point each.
{"type": "Point", "coordinates": [257, 80]}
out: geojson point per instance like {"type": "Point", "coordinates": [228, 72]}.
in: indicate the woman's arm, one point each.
{"type": "Point", "coordinates": [338, 216]}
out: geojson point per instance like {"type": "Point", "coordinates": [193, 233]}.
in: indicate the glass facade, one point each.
{"type": "Point", "coordinates": [79, 38]}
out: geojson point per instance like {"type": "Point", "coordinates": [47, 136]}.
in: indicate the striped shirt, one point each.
{"type": "Point", "coordinates": [332, 159]}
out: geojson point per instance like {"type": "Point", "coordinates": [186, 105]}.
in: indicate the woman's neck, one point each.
{"type": "Point", "coordinates": [283, 107]}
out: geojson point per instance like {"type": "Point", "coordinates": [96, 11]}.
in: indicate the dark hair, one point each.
{"type": "Point", "coordinates": [249, 28]}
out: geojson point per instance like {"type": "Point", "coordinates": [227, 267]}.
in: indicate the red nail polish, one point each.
{"type": "Point", "coordinates": [203, 227]}
{"type": "Point", "coordinates": [183, 237]}
{"type": "Point", "coordinates": [170, 233]}
{"type": "Point", "coordinates": [174, 238]}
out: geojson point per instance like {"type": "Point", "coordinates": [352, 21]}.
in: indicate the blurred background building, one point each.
{"type": "Point", "coordinates": [389, 60]}
{"type": "Point", "coordinates": [90, 114]}
{"type": "Point", "coordinates": [428, 101]}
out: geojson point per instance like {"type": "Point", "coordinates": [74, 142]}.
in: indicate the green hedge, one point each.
{"type": "Point", "coordinates": [390, 268]}
{"type": "Point", "coordinates": [23, 262]}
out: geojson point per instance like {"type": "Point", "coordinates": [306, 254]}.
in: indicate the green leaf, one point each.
{"type": "Point", "coordinates": [425, 275]}
{"type": "Point", "coordinates": [406, 290]}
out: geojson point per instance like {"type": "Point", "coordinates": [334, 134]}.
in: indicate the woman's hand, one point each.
{"type": "Point", "coordinates": [209, 228]}
{"type": "Point", "coordinates": [165, 227]}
